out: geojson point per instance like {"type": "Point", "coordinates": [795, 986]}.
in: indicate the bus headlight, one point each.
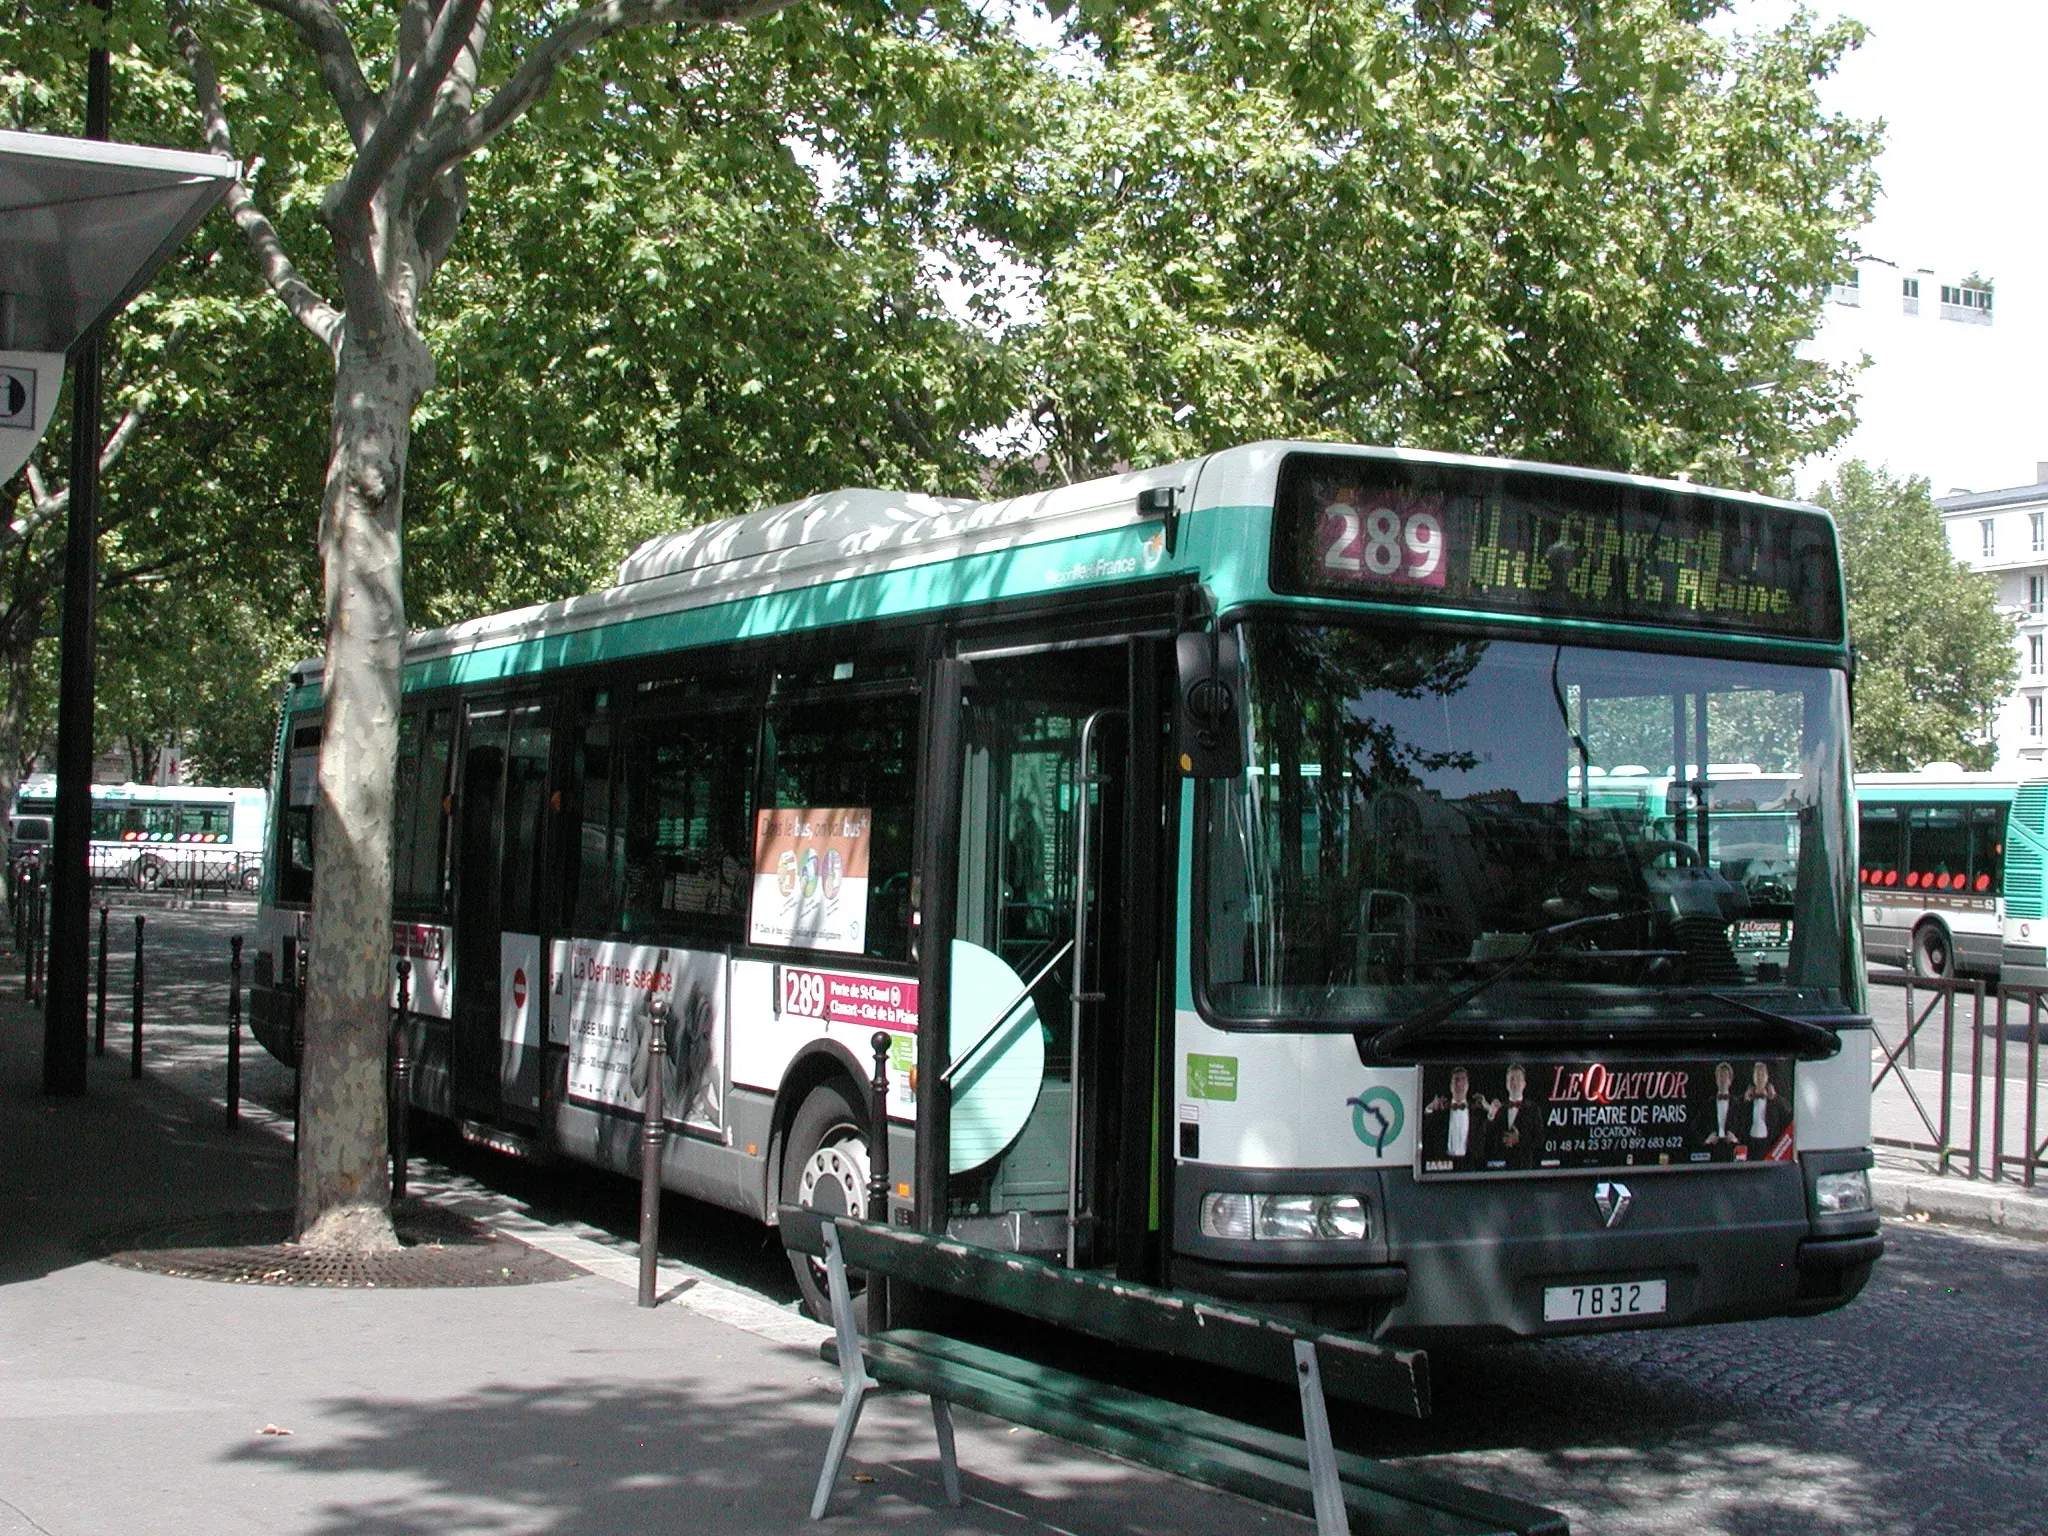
{"type": "Point", "coordinates": [1285, 1218]}
{"type": "Point", "coordinates": [1842, 1194]}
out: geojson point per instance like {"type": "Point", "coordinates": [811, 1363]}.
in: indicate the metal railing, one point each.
{"type": "Point", "coordinates": [1984, 1079]}
{"type": "Point", "coordinates": [189, 869]}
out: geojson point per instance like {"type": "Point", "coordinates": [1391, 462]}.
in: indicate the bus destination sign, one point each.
{"type": "Point", "coordinates": [1525, 541]}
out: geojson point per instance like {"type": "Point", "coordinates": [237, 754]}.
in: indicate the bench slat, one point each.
{"type": "Point", "coordinates": [1124, 1312]}
{"type": "Point", "coordinates": [1190, 1442]}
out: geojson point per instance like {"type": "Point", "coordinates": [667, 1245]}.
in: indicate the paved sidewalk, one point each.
{"type": "Point", "coordinates": [134, 1402]}
{"type": "Point", "coordinates": [1908, 1188]}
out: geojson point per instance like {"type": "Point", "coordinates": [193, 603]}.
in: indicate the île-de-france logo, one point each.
{"type": "Point", "coordinates": [1376, 1117]}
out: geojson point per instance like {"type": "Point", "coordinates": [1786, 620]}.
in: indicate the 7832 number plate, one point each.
{"type": "Point", "coordinates": [1590, 1303]}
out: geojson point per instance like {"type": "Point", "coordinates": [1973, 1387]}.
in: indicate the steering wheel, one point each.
{"type": "Point", "coordinates": [1651, 849]}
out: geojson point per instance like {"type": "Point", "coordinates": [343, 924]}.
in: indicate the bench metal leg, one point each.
{"type": "Point", "coordinates": [949, 1464]}
{"type": "Point", "coordinates": [854, 1381]}
{"type": "Point", "coordinates": [1331, 1519]}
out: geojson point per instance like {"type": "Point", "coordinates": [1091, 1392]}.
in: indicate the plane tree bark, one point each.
{"type": "Point", "coordinates": [391, 218]}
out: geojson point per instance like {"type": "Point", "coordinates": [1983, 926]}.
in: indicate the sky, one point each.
{"type": "Point", "coordinates": [1960, 87]}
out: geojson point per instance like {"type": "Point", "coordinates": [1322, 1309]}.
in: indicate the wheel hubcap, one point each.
{"type": "Point", "coordinates": [835, 1179]}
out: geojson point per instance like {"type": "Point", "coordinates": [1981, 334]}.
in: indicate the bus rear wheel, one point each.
{"type": "Point", "coordinates": [1934, 952]}
{"type": "Point", "coordinates": [825, 1169]}
{"type": "Point", "coordinates": [148, 874]}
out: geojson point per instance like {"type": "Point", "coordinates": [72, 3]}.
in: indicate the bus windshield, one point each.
{"type": "Point", "coordinates": [1636, 832]}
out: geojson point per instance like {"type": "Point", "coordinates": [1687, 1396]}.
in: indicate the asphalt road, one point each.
{"type": "Point", "coordinates": [1917, 1409]}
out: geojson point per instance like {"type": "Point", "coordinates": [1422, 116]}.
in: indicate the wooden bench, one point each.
{"type": "Point", "coordinates": [1341, 1491]}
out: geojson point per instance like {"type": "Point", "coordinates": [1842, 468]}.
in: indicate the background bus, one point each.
{"type": "Point", "coordinates": [1217, 849]}
{"type": "Point", "coordinates": [152, 837]}
{"type": "Point", "coordinates": [1950, 867]}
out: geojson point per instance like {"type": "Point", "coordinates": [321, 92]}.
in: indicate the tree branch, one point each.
{"type": "Point", "coordinates": [408, 107]}
{"type": "Point", "coordinates": [361, 108]}
{"type": "Point", "coordinates": [298, 296]}
{"type": "Point", "coordinates": [44, 504]}
{"type": "Point", "coordinates": [536, 72]}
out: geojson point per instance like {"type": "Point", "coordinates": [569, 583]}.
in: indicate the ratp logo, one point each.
{"type": "Point", "coordinates": [1376, 1117]}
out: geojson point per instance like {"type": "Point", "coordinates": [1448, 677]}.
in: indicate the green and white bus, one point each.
{"type": "Point", "coordinates": [1317, 876]}
{"type": "Point", "coordinates": [1951, 865]}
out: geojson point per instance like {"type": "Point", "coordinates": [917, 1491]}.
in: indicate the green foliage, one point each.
{"type": "Point", "coordinates": [1589, 233]}
{"type": "Point", "coordinates": [1935, 656]}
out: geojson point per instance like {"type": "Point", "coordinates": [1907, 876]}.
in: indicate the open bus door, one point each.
{"type": "Point", "coordinates": [501, 842]}
{"type": "Point", "coordinates": [1042, 923]}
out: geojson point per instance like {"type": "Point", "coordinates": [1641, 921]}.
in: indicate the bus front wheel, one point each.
{"type": "Point", "coordinates": [825, 1169]}
{"type": "Point", "coordinates": [148, 875]}
{"type": "Point", "coordinates": [1934, 952]}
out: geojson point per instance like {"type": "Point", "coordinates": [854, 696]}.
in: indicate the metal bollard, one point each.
{"type": "Point", "coordinates": [401, 1084]}
{"type": "Point", "coordinates": [878, 1137]}
{"type": "Point", "coordinates": [99, 1013]}
{"type": "Point", "coordinates": [234, 1118]}
{"type": "Point", "coordinates": [652, 1133]}
{"type": "Point", "coordinates": [135, 1042]}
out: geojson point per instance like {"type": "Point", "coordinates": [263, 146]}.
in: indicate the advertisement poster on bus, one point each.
{"type": "Point", "coordinates": [811, 878]}
{"type": "Point", "coordinates": [428, 950]}
{"type": "Point", "coordinates": [1533, 1116]}
{"type": "Point", "coordinates": [602, 1011]}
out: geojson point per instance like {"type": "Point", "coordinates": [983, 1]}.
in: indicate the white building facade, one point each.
{"type": "Point", "coordinates": [2005, 533]}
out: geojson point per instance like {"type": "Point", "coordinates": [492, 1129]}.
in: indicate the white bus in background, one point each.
{"type": "Point", "coordinates": [1949, 864]}
{"type": "Point", "coordinates": [153, 837]}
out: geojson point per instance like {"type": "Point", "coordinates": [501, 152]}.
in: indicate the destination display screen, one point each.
{"type": "Point", "coordinates": [1535, 1116]}
{"type": "Point", "coordinates": [1524, 541]}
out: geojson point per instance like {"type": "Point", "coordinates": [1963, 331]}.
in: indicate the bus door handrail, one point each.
{"type": "Point", "coordinates": [1079, 998]}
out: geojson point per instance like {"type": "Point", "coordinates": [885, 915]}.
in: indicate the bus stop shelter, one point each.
{"type": "Point", "coordinates": [84, 224]}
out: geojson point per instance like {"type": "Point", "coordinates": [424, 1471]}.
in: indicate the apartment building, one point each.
{"type": "Point", "coordinates": [2005, 533]}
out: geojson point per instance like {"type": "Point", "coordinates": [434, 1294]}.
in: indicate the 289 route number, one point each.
{"type": "Point", "coordinates": [1381, 543]}
{"type": "Point", "coordinates": [803, 993]}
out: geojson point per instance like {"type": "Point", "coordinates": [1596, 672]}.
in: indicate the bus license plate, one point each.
{"type": "Point", "coordinates": [1584, 1303]}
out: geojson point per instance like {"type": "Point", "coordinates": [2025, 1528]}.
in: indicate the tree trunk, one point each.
{"type": "Point", "coordinates": [344, 1173]}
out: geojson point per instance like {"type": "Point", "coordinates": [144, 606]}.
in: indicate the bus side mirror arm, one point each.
{"type": "Point", "coordinates": [1208, 720]}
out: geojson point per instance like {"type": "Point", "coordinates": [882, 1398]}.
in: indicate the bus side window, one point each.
{"type": "Point", "coordinates": [688, 780]}
{"type": "Point", "coordinates": [419, 818]}
{"type": "Point", "coordinates": [1987, 849]}
{"type": "Point", "coordinates": [591, 901]}
{"type": "Point", "coordinates": [859, 755]}
{"type": "Point", "coordinates": [1880, 845]}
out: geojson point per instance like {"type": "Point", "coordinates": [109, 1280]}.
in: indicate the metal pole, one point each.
{"type": "Point", "coordinates": [1080, 997]}
{"type": "Point", "coordinates": [651, 1135]}
{"type": "Point", "coordinates": [878, 1134]}
{"type": "Point", "coordinates": [135, 1043]}
{"type": "Point", "coordinates": [401, 1084]}
{"type": "Point", "coordinates": [71, 832]}
{"type": "Point", "coordinates": [234, 1118]}
{"type": "Point", "coordinates": [99, 1012]}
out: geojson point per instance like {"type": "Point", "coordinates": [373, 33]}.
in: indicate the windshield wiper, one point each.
{"type": "Point", "coordinates": [1383, 1045]}
{"type": "Point", "coordinates": [1813, 1036]}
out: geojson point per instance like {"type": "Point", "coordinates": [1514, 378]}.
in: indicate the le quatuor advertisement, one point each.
{"type": "Point", "coordinates": [1530, 1116]}
{"type": "Point", "coordinates": [811, 878]}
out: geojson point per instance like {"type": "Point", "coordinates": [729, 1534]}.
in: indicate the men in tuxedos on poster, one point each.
{"type": "Point", "coordinates": [1724, 1128]}
{"type": "Point", "coordinates": [1513, 1124]}
{"type": "Point", "coordinates": [1454, 1127]}
{"type": "Point", "coordinates": [1764, 1112]}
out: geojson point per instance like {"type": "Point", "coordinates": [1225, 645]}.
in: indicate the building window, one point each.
{"type": "Point", "coordinates": [1909, 291]}
{"type": "Point", "coordinates": [1989, 528]}
{"type": "Point", "coordinates": [1849, 293]}
{"type": "Point", "coordinates": [2037, 593]}
{"type": "Point", "coordinates": [2034, 657]}
{"type": "Point", "coordinates": [1966, 301]}
{"type": "Point", "coordinates": [2037, 528]}
{"type": "Point", "coordinates": [2033, 714]}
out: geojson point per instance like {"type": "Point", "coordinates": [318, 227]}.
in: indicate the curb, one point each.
{"type": "Point", "coordinates": [2008, 1208]}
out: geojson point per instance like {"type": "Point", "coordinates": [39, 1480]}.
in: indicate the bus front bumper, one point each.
{"type": "Point", "coordinates": [1469, 1260]}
